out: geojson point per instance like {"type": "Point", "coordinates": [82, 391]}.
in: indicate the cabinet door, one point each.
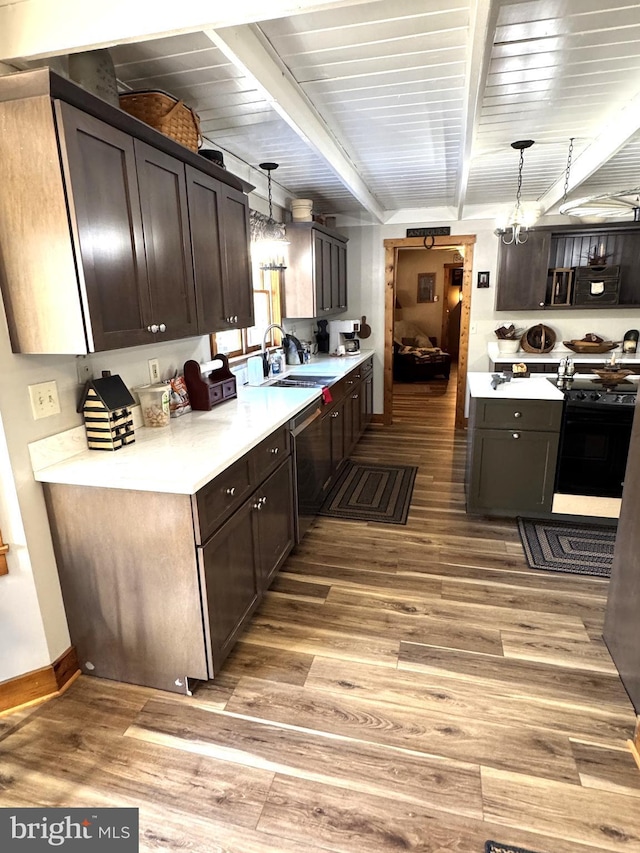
{"type": "Point", "coordinates": [99, 168]}
{"type": "Point", "coordinates": [342, 277]}
{"type": "Point", "coordinates": [228, 568]}
{"type": "Point", "coordinates": [335, 420]}
{"type": "Point", "coordinates": [512, 471]}
{"type": "Point", "coordinates": [522, 273]}
{"type": "Point", "coordinates": [237, 284]}
{"type": "Point", "coordinates": [366, 403]}
{"type": "Point", "coordinates": [274, 499]}
{"type": "Point", "coordinates": [165, 223]}
{"type": "Point", "coordinates": [204, 197]}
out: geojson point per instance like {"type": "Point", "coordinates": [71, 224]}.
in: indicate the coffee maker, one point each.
{"type": "Point", "coordinates": [343, 333]}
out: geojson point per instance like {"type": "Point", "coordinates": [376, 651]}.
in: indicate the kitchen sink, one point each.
{"type": "Point", "coordinates": [301, 382]}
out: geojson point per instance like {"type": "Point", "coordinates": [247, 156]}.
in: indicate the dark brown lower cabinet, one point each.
{"type": "Point", "coordinates": [145, 603]}
{"type": "Point", "coordinates": [511, 468]}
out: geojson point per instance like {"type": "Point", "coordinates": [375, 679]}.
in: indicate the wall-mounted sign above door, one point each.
{"type": "Point", "coordinates": [444, 231]}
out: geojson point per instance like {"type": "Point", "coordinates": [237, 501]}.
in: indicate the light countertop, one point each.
{"type": "Point", "coordinates": [535, 387]}
{"type": "Point", "coordinates": [196, 447]}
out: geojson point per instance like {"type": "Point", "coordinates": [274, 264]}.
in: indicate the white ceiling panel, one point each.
{"type": "Point", "coordinates": [413, 97]}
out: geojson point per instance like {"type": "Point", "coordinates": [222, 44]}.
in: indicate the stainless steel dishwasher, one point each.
{"type": "Point", "coordinates": [310, 433]}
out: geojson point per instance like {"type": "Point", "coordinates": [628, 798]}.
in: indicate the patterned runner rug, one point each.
{"type": "Point", "coordinates": [568, 547]}
{"type": "Point", "coordinates": [371, 493]}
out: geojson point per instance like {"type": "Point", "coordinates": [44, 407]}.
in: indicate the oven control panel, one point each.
{"type": "Point", "coordinates": [605, 398]}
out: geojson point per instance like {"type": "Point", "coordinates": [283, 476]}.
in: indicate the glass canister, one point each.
{"type": "Point", "coordinates": [154, 403]}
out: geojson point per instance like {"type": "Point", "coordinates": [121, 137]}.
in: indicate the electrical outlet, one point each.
{"type": "Point", "coordinates": [154, 371]}
{"type": "Point", "coordinates": [44, 399]}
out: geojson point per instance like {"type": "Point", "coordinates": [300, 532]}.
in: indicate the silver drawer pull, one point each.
{"type": "Point", "coordinates": [334, 414]}
{"type": "Point", "coordinates": [275, 450]}
{"type": "Point", "coordinates": [230, 491]}
{"type": "Point", "coordinates": [517, 414]}
{"type": "Point", "coordinates": [349, 381]}
{"type": "Point", "coordinates": [516, 435]}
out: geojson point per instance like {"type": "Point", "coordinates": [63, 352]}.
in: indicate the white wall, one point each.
{"type": "Point", "coordinates": [367, 282]}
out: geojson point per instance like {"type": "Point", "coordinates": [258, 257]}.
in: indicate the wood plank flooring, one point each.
{"type": "Point", "coordinates": [412, 688]}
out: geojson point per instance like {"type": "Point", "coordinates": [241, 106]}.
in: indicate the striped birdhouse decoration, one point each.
{"type": "Point", "coordinates": [105, 406]}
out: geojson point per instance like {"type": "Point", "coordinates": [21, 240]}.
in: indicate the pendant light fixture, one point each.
{"type": "Point", "coordinates": [272, 240]}
{"type": "Point", "coordinates": [514, 230]}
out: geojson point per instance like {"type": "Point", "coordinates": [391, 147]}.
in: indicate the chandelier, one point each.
{"type": "Point", "coordinates": [271, 242]}
{"type": "Point", "coordinates": [514, 230]}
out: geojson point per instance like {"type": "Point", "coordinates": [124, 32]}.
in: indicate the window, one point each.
{"type": "Point", "coordinates": [267, 310]}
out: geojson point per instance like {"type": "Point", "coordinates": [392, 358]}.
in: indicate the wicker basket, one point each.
{"type": "Point", "coordinates": [166, 114]}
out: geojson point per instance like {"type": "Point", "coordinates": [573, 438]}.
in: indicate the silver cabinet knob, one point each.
{"type": "Point", "coordinates": [153, 328]}
{"type": "Point", "coordinates": [235, 319]}
{"type": "Point", "coordinates": [275, 451]}
{"type": "Point", "coordinates": [334, 414]}
{"type": "Point", "coordinates": [260, 503]}
{"type": "Point", "coordinates": [355, 396]}
{"type": "Point", "coordinates": [162, 327]}
{"type": "Point", "coordinates": [541, 304]}
{"type": "Point", "coordinates": [517, 414]}
{"type": "Point", "coordinates": [230, 491]}
{"type": "Point", "coordinates": [516, 435]}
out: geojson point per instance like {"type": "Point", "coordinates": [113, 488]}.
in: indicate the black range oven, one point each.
{"type": "Point", "coordinates": [594, 441]}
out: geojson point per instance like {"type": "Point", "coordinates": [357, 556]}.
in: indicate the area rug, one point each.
{"type": "Point", "coordinates": [566, 547]}
{"type": "Point", "coordinates": [496, 847]}
{"type": "Point", "coordinates": [371, 493]}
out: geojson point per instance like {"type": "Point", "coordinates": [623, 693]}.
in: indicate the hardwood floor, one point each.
{"type": "Point", "coordinates": [412, 688]}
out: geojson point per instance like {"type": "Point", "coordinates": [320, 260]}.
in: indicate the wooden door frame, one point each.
{"type": "Point", "coordinates": [391, 248]}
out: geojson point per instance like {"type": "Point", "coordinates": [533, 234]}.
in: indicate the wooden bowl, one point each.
{"type": "Point", "coordinates": [538, 338]}
{"type": "Point", "coordinates": [611, 376]}
{"type": "Point", "coordinates": [589, 346]}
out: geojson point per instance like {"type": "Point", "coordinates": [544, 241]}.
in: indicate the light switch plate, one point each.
{"type": "Point", "coordinates": [44, 399]}
{"type": "Point", "coordinates": [154, 371]}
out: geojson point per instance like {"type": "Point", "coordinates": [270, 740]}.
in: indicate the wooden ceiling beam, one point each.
{"type": "Point", "coordinates": [249, 50]}
{"type": "Point", "coordinates": [612, 137]}
{"type": "Point", "coordinates": [37, 29]}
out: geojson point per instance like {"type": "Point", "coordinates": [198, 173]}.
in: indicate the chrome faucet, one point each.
{"type": "Point", "coordinates": [264, 352]}
{"type": "Point", "coordinates": [267, 330]}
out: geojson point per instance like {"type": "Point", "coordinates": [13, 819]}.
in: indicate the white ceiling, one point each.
{"type": "Point", "coordinates": [374, 108]}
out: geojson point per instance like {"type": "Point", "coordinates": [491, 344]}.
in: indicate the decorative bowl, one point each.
{"type": "Point", "coordinates": [611, 375]}
{"type": "Point", "coordinates": [538, 339]}
{"type": "Point", "coordinates": [589, 346]}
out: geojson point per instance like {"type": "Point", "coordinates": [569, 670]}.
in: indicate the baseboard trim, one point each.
{"type": "Point", "coordinates": [377, 419]}
{"type": "Point", "coordinates": [41, 684]}
{"type": "Point", "coordinates": [636, 737]}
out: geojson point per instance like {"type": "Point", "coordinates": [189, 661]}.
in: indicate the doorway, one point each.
{"type": "Point", "coordinates": [464, 245]}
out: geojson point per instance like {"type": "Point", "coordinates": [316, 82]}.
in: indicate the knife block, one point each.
{"type": "Point", "coordinates": [207, 389]}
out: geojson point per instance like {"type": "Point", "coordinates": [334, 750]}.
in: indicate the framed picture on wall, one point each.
{"type": "Point", "coordinates": [426, 287]}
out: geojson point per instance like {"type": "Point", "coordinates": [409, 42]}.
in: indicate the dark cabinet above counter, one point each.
{"type": "Point", "coordinates": [555, 268]}
{"type": "Point", "coordinates": [105, 241]}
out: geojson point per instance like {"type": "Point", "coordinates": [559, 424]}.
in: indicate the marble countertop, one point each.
{"type": "Point", "coordinates": [195, 447]}
{"type": "Point", "coordinates": [536, 387]}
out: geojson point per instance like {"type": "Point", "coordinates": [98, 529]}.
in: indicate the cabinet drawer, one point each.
{"type": "Point", "coordinates": [266, 457]}
{"type": "Point", "coordinates": [525, 414]}
{"type": "Point", "coordinates": [218, 499]}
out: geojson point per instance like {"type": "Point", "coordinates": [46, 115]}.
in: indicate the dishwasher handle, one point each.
{"type": "Point", "coordinates": [297, 428]}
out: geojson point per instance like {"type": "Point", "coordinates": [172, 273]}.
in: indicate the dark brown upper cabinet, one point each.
{"type": "Point", "coordinates": [549, 270]}
{"type": "Point", "coordinates": [96, 232]}
{"type": "Point", "coordinates": [316, 276]}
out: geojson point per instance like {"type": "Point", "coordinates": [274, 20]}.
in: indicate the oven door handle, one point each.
{"type": "Point", "coordinates": [306, 423]}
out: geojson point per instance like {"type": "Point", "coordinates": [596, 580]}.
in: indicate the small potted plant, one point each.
{"type": "Point", "coordinates": [508, 338]}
